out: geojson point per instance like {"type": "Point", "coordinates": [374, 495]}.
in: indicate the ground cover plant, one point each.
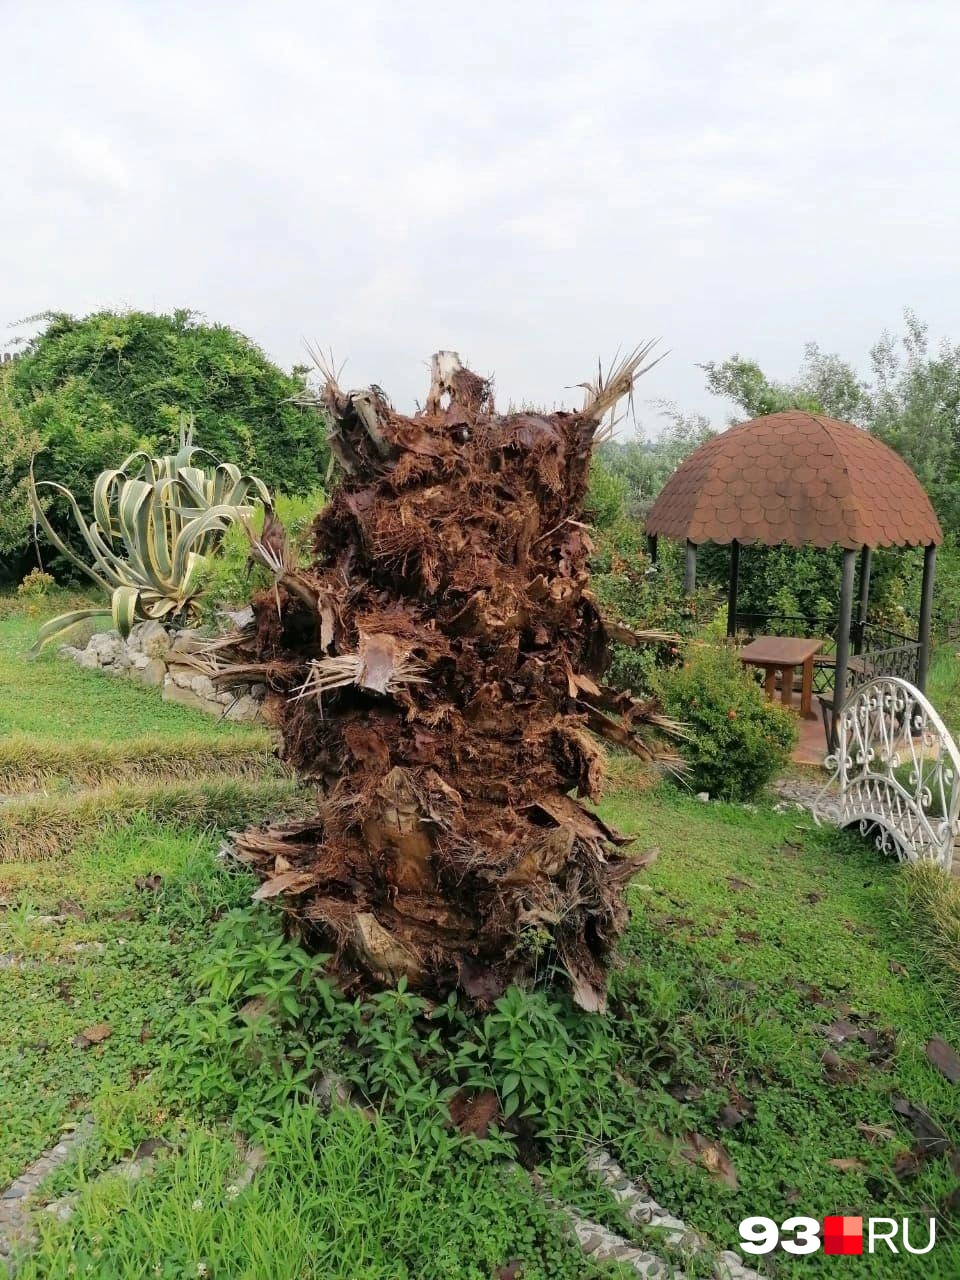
{"type": "Point", "coordinates": [770, 1012]}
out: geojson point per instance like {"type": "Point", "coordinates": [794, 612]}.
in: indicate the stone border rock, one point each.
{"type": "Point", "coordinates": [14, 1208]}
{"type": "Point", "coordinates": [155, 655]}
{"type": "Point", "coordinates": [643, 1211]}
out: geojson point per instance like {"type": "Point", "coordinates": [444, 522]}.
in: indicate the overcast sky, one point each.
{"type": "Point", "coordinates": [531, 184]}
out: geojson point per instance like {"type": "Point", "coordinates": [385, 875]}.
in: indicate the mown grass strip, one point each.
{"type": "Point", "coordinates": [33, 764]}
{"type": "Point", "coordinates": [45, 826]}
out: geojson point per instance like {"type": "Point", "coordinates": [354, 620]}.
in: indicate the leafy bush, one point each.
{"type": "Point", "coordinates": [154, 519]}
{"type": "Point", "coordinates": [738, 740]}
{"type": "Point", "coordinates": [36, 584]}
{"type": "Point", "coordinates": [106, 385]}
{"type": "Point", "coordinates": [17, 446]}
{"type": "Point", "coordinates": [227, 578]}
{"type": "Point", "coordinates": [266, 1020]}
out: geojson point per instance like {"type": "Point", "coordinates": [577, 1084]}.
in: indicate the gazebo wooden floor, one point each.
{"type": "Point", "coordinates": [811, 748]}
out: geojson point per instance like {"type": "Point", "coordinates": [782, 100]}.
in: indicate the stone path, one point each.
{"type": "Point", "coordinates": [797, 793]}
{"type": "Point", "coordinates": [14, 1202]}
{"type": "Point", "coordinates": [603, 1245]}
{"type": "Point", "coordinates": [644, 1212]}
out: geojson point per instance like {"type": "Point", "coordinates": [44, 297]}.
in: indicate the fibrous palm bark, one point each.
{"type": "Point", "coordinates": [436, 674]}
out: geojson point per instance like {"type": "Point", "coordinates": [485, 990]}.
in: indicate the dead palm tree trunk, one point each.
{"type": "Point", "coordinates": [436, 673]}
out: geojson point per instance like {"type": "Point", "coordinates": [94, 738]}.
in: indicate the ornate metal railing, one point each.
{"type": "Point", "coordinates": [895, 773]}
{"type": "Point", "coordinates": [877, 650]}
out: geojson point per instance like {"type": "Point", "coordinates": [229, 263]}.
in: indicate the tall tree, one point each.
{"type": "Point", "coordinates": [825, 384]}
{"type": "Point", "coordinates": [915, 408]}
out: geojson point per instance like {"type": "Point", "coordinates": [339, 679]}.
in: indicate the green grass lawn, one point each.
{"type": "Point", "coordinates": [711, 1077]}
{"type": "Point", "coordinates": [56, 701]}
{"type": "Point", "coordinates": [752, 931]}
{"type": "Point", "coordinates": [943, 685]}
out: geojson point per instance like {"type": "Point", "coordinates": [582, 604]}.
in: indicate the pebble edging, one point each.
{"type": "Point", "coordinates": [154, 655]}
{"type": "Point", "coordinates": [643, 1211]}
{"type": "Point", "coordinates": [14, 1211]}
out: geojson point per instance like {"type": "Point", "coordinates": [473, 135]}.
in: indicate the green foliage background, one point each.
{"type": "Point", "coordinates": [911, 400]}
{"type": "Point", "coordinates": [92, 390]}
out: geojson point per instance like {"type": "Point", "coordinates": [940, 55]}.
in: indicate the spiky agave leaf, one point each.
{"type": "Point", "coordinates": [155, 519]}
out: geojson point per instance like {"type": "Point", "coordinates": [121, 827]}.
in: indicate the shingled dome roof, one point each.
{"type": "Point", "coordinates": [798, 478]}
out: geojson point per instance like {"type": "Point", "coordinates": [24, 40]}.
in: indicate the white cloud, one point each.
{"type": "Point", "coordinates": [532, 184]}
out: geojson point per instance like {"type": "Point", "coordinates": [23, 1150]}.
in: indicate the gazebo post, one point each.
{"type": "Point", "coordinates": [926, 613]}
{"type": "Point", "coordinates": [866, 563]}
{"type": "Point", "coordinates": [690, 569]}
{"type": "Point", "coordinates": [652, 547]}
{"type": "Point", "coordinates": [734, 587]}
{"type": "Point", "coordinates": [843, 639]}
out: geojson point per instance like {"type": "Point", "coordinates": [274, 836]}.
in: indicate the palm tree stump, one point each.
{"type": "Point", "coordinates": [436, 674]}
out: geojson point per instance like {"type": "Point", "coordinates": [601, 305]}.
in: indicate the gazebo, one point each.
{"type": "Point", "coordinates": [807, 480]}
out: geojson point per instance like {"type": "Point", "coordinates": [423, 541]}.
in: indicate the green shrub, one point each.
{"type": "Point", "coordinates": [226, 579]}
{"type": "Point", "coordinates": [737, 740]}
{"type": "Point", "coordinates": [108, 384]}
{"type": "Point", "coordinates": [36, 584]}
{"type": "Point", "coordinates": [17, 445]}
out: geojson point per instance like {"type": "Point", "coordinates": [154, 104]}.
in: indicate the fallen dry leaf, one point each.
{"type": "Point", "coordinates": [808, 991]}
{"type": "Point", "coordinates": [737, 885]}
{"type": "Point", "coordinates": [839, 1070]}
{"type": "Point", "coordinates": [876, 1132]}
{"type": "Point", "coordinates": [847, 1164]}
{"type": "Point", "coordinates": [711, 1155]}
{"type": "Point", "coordinates": [839, 1031]}
{"type": "Point", "coordinates": [907, 1165]}
{"type": "Point", "coordinates": [254, 1008]}
{"type": "Point", "coordinates": [512, 1271]}
{"type": "Point", "coordinates": [96, 1034]}
{"type": "Point", "coordinates": [944, 1058]}
{"type": "Point", "coordinates": [473, 1113]}
{"type": "Point", "coordinates": [685, 1092]}
{"type": "Point", "coordinates": [149, 1146]}
{"type": "Point", "coordinates": [930, 1137]}
{"type": "Point", "coordinates": [730, 1117]}
{"type": "Point", "coordinates": [882, 1054]}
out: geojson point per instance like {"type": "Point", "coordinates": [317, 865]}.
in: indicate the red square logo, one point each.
{"type": "Point", "coordinates": [843, 1235]}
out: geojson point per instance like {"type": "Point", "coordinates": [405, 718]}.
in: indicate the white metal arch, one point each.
{"type": "Point", "coordinates": [895, 773]}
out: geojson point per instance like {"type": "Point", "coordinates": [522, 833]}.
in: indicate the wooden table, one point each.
{"type": "Point", "coordinates": [784, 654]}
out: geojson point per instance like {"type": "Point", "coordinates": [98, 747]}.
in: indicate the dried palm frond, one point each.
{"type": "Point", "coordinates": [381, 664]}
{"type": "Point", "coordinates": [602, 396]}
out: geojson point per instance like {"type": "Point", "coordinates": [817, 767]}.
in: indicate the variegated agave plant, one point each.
{"type": "Point", "coordinates": [154, 520]}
